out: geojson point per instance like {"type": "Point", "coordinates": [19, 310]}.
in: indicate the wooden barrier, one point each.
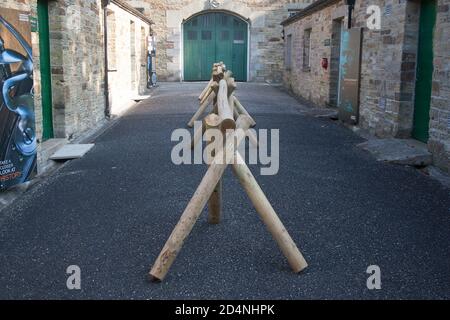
{"type": "Point", "coordinates": [228, 113]}
{"type": "Point", "coordinates": [197, 203]}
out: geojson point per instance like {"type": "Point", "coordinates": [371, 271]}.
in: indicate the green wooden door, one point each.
{"type": "Point", "coordinates": [424, 71]}
{"type": "Point", "coordinates": [214, 37]}
{"type": "Point", "coordinates": [44, 60]}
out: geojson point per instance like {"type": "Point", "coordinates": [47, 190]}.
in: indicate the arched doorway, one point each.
{"type": "Point", "coordinates": [212, 37]}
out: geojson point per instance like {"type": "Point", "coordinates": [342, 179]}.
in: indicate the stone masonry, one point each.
{"type": "Point", "coordinates": [439, 142]}
{"type": "Point", "coordinates": [388, 67]}
{"type": "Point", "coordinates": [76, 47]}
{"type": "Point", "coordinates": [266, 44]}
{"type": "Point", "coordinates": [127, 57]}
{"type": "Point", "coordinates": [77, 63]}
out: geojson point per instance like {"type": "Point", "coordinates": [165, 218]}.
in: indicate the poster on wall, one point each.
{"type": "Point", "coordinates": [18, 144]}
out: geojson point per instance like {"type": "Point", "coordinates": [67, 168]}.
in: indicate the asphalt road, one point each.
{"type": "Point", "coordinates": [111, 212]}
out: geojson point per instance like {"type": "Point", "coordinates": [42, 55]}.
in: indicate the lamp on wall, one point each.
{"type": "Point", "coordinates": [351, 7]}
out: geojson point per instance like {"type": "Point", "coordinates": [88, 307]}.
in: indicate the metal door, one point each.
{"type": "Point", "coordinates": [349, 75]}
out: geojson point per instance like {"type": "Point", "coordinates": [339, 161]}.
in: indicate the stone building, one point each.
{"type": "Point", "coordinates": [74, 89]}
{"type": "Point", "coordinates": [403, 81]}
{"type": "Point", "coordinates": [259, 49]}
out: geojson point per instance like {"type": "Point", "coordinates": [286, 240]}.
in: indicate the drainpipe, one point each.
{"type": "Point", "coordinates": [351, 7]}
{"type": "Point", "coordinates": [105, 4]}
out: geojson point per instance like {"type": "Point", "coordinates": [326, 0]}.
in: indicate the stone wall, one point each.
{"type": "Point", "coordinates": [127, 57]}
{"type": "Point", "coordinates": [439, 142]}
{"type": "Point", "coordinates": [266, 45]}
{"type": "Point", "coordinates": [312, 83]}
{"type": "Point", "coordinates": [77, 62]}
{"type": "Point", "coordinates": [388, 68]}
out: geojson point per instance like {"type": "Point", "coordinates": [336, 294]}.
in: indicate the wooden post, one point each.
{"type": "Point", "coordinates": [198, 135]}
{"type": "Point", "coordinates": [231, 86]}
{"type": "Point", "coordinates": [225, 112]}
{"type": "Point", "coordinates": [252, 137]}
{"type": "Point", "coordinates": [228, 74]}
{"type": "Point", "coordinates": [215, 201]}
{"type": "Point", "coordinates": [268, 215]}
{"type": "Point", "coordinates": [235, 112]}
{"type": "Point", "coordinates": [201, 109]}
{"type": "Point", "coordinates": [242, 110]}
{"type": "Point", "coordinates": [205, 90]}
{"type": "Point", "coordinates": [218, 73]}
{"type": "Point", "coordinates": [197, 204]}
{"type": "Point", "coordinates": [231, 104]}
{"type": "Point", "coordinates": [207, 95]}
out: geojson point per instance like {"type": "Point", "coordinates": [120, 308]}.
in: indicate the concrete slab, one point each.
{"type": "Point", "coordinates": [400, 151]}
{"type": "Point", "coordinates": [439, 175]}
{"type": "Point", "coordinates": [72, 151]}
{"type": "Point", "coordinates": [141, 98]}
{"type": "Point", "coordinates": [46, 150]}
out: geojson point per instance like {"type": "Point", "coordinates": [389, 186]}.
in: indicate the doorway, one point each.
{"type": "Point", "coordinates": [336, 29]}
{"type": "Point", "coordinates": [45, 69]}
{"type": "Point", "coordinates": [424, 72]}
{"type": "Point", "coordinates": [212, 37]}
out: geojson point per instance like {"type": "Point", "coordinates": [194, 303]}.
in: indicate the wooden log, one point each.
{"type": "Point", "coordinates": [218, 73]}
{"type": "Point", "coordinates": [252, 138]}
{"type": "Point", "coordinates": [202, 95]}
{"type": "Point", "coordinates": [235, 112]}
{"type": "Point", "coordinates": [197, 204]}
{"type": "Point", "coordinates": [231, 104]}
{"type": "Point", "coordinates": [215, 201]}
{"type": "Point", "coordinates": [198, 135]}
{"type": "Point", "coordinates": [227, 75]}
{"type": "Point", "coordinates": [201, 110]}
{"type": "Point", "coordinates": [268, 215]}
{"type": "Point", "coordinates": [231, 86]}
{"type": "Point", "coordinates": [242, 110]}
{"type": "Point", "coordinates": [225, 112]}
{"type": "Point", "coordinates": [207, 95]}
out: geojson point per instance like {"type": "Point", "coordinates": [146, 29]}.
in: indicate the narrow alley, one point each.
{"type": "Point", "coordinates": [111, 212]}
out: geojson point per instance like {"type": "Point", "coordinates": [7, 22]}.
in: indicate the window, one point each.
{"type": "Point", "coordinates": [239, 35]}
{"type": "Point", "coordinates": [307, 50]}
{"type": "Point", "coordinates": [206, 35]}
{"type": "Point", "coordinates": [288, 52]}
{"type": "Point", "coordinates": [225, 35]}
{"type": "Point", "coordinates": [192, 35]}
